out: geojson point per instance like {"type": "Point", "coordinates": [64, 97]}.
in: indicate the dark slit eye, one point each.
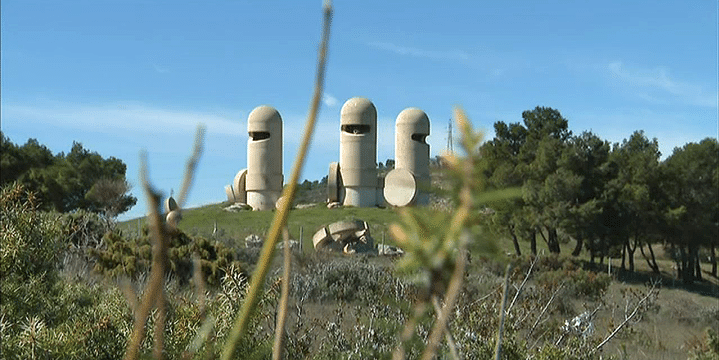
{"type": "Point", "coordinates": [259, 135]}
{"type": "Point", "coordinates": [420, 138]}
{"type": "Point", "coordinates": [356, 129]}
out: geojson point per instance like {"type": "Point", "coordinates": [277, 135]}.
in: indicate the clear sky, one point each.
{"type": "Point", "coordinates": [122, 76]}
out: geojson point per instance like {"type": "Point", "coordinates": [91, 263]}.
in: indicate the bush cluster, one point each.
{"type": "Point", "coordinates": [132, 257]}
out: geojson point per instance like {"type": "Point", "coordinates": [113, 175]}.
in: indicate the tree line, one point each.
{"type": "Point", "coordinates": [78, 180]}
{"type": "Point", "coordinates": [610, 199]}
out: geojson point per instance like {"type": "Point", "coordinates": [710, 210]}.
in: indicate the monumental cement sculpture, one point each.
{"type": "Point", "coordinates": [409, 182]}
{"type": "Point", "coordinates": [260, 184]}
{"type": "Point", "coordinates": [358, 153]}
{"type": "Point", "coordinates": [353, 181]}
{"type": "Point", "coordinates": [264, 158]}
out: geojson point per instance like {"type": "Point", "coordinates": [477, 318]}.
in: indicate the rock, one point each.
{"type": "Point", "coordinates": [305, 206]}
{"type": "Point", "coordinates": [358, 247]}
{"type": "Point", "coordinates": [237, 207]}
{"type": "Point", "coordinates": [388, 250]}
{"type": "Point", "coordinates": [294, 245]}
{"type": "Point", "coordinates": [253, 240]}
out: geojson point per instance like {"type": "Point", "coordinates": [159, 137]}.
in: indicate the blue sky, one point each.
{"type": "Point", "coordinates": [122, 76]}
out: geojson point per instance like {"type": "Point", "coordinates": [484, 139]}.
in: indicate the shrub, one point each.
{"type": "Point", "coordinates": [121, 256]}
{"type": "Point", "coordinates": [349, 280]}
{"type": "Point", "coordinates": [578, 282]}
{"type": "Point", "coordinates": [29, 250]}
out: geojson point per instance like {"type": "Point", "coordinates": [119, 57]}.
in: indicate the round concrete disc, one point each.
{"type": "Point", "coordinates": [173, 217]}
{"type": "Point", "coordinates": [342, 227]}
{"type": "Point", "coordinates": [170, 204]}
{"type": "Point", "coordinates": [400, 187]}
{"type": "Point", "coordinates": [280, 202]}
{"type": "Point", "coordinates": [230, 194]}
{"type": "Point", "coordinates": [321, 238]}
{"type": "Point", "coordinates": [238, 186]}
{"type": "Point", "coordinates": [333, 177]}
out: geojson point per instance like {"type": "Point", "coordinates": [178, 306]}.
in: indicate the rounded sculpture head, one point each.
{"type": "Point", "coordinates": [263, 123]}
{"type": "Point", "coordinates": [414, 123]}
{"type": "Point", "coordinates": [358, 116]}
{"type": "Point", "coordinates": [263, 180]}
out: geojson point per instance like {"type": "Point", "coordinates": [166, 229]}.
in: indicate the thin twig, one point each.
{"type": "Point", "coordinates": [455, 285]}
{"type": "Point", "coordinates": [502, 315]}
{"type": "Point", "coordinates": [448, 335]}
{"type": "Point", "coordinates": [191, 166]}
{"type": "Point", "coordinates": [544, 309]}
{"type": "Point", "coordinates": [280, 219]}
{"type": "Point", "coordinates": [154, 292]}
{"type": "Point", "coordinates": [521, 286]}
{"type": "Point", "coordinates": [157, 272]}
{"type": "Point", "coordinates": [160, 325]}
{"type": "Point", "coordinates": [408, 330]}
{"type": "Point", "coordinates": [619, 327]}
{"type": "Point", "coordinates": [278, 346]}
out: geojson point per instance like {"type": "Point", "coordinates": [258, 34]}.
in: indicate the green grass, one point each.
{"type": "Point", "coordinates": [237, 225]}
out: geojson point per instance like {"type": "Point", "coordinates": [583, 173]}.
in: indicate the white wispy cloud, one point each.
{"type": "Point", "coordinates": [329, 100]}
{"type": "Point", "coordinates": [124, 117]}
{"type": "Point", "coordinates": [453, 55]}
{"type": "Point", "coordinates": [657, 85]}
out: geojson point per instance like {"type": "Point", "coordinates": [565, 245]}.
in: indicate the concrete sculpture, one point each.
{"type": "Point", "coordinates": [174, 214]}
{"type": "Point", "coordinates": [333, 183]}
{"type": "Point", "coordinates": [170, 204]}
{"type": "Point", "coordinates": [238, 187]}
{"type": "Point", "coordinates": [358, 154]}
{"type": "Point", "coordinates": [409, 182]}
{"type": "Point", "coordinates": [173, 218]}
{"type": "Point", "coordinates": [263, 179]}
{"type": "Point", "coordinates": [230, 193]}
{"type": "Point", "coordinates": [346, 236]}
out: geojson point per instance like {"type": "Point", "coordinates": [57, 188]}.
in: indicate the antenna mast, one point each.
{"type": "Point", "coordinates": [450, 144]}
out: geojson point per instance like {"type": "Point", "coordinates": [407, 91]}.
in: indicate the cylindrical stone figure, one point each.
{"type": "Point", "coordinates": [264, 158]}
{"type": "Point", "coordinates": [411, 150]}
{"type": "Point", "coordinates": [358, 153]}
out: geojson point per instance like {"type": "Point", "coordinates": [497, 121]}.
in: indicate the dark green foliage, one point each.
{"type": "Point", "coordinates": [611, 200]}
{"type": "Point", "coordinates": [132, 257]}
{"type": "Point", "coordinates": [29, 249]}
{"type": "Point", "coordinates": [691, 187]}
{"type": "Point", "coordinates": [311, 192]}
{"type": "Point", "coordinates": [79, 179]}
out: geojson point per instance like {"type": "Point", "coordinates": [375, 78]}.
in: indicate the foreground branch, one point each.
{"type": "Point", "coordinates": [627, 318]}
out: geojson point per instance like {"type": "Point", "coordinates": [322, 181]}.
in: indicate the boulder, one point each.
{"type": "Point", "coordinates": [388, 250]}
{"type": "Point", "coordinates": [237, 207]}
{"type": "Point", "coordinates": [253, 240]}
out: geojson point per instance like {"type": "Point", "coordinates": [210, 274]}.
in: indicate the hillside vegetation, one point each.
{"type": "Point", "coordinates": [489, 275]}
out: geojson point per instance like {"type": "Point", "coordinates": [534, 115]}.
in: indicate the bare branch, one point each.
{"type": "Point", "coordinates": [502, 315]}
{"type": "Point", "coordinates": [521, 286]}
{"type": "Point", "coordinates": [278, 346]}
{"type": "Point", "coordinates": [652, 292]}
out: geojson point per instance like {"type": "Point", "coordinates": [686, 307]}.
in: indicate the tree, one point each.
{"type": "Point", "coordinates": [18, 160]}
{"type": "Point", "coordinates": [692, 187]}
{"type": "Point", "coordinates": [65, 182]}
{"type": "Point", "coordinates": [586, 156]}
{"type": "Point", "coordinates": [527, 156]}
{"type": "Point", "coordinates": [109, 196]}
{"type": "Point", "coordinates": [631, 197]}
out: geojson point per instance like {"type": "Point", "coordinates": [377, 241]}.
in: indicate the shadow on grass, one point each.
{"type": "Point", "coordinates": [704, 287]}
